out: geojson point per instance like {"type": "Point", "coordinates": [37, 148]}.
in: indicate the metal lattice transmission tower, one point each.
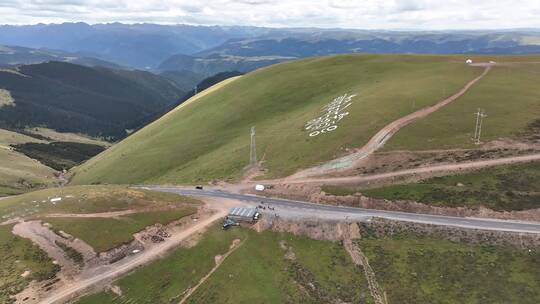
{"type": "Point", "coordinates": [253, 150]}
{"type": "Point", "coordinates": [480, 115]}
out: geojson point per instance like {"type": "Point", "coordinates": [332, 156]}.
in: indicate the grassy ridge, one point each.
{"type": "Point", "coordinates": [509, 94]}
{"type": "Point", "coordinates": [88, 199]}
{"type": "Point", "coordinates": [19, 173]}
{"type": "Point", "coordinates": [209, 139]}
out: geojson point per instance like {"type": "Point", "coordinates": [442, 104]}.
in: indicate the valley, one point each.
{"type": "Point", "coordinates": [369, 166]}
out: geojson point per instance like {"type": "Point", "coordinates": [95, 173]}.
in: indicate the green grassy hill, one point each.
{"type": "Point", "coordinates": [410, 268]}
{"type": "Point", "coordinates": [510, 97]}
{"type": "Point", "coordinates": [259, 271]}
{"type": "Point", "coordinates": [209, 138]}
{"type": "Point", "coordinates": [18, 172]}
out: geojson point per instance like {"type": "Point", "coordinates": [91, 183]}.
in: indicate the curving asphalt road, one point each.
{"type": "Point", "coordinates": [340, 212]}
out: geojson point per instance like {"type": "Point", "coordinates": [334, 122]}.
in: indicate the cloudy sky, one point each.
{"type": "Point", "coordinates": [368, 14]}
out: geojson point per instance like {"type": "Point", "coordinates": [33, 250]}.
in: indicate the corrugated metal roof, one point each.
{"type": "Point", "coordinates": [243, 212]}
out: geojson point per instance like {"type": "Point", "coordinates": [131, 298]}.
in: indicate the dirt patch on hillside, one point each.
{"type": "Point", "coordinates": [313, 193]}
{"type": "Point", "coordinates": [101, 269]}
{"type": "Point", "coordinates": [52, 243]}
{"type": "Point", "coordinates": [359, 258]}
{"type": "Point", "coordinates": [252, 172]}
{"type": "Point", "coordinates": [47, 240]}
{"type": "Point", "coordinates": [314, 229]}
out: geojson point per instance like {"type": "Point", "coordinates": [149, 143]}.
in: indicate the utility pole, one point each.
{"type": "Point", "coordinates": [480, 115]}
{"type": "Point", "coordinates": [253, 151]}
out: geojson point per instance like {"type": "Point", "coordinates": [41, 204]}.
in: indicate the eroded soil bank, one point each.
{"type": "Point", "coordinates": [314, 194]}
{"type": "Point", "coordinates": [320, 229]}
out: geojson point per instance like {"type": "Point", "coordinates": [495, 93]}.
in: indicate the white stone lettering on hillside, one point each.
{"type": "Point", "coordinates": [332, 114]}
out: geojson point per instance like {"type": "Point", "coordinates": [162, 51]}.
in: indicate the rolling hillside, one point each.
{"type": "Point", "coordinates": [208, 137]}
{"type": "Point", "coordinates": [18, 172]}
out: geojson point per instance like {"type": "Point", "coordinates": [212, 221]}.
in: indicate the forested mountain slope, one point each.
{"type": "Point", "coordinates": [72, 98]}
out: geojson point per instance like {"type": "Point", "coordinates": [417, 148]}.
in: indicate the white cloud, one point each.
{"type": "Point", "coordinates": [365, 14]}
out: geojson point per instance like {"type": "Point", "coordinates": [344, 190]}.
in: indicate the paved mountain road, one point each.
{"type": "Point", "coordinates": [284, 206]}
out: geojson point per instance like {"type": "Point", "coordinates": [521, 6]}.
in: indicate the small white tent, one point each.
{"type": "Point", "coordinates": [469, 61]}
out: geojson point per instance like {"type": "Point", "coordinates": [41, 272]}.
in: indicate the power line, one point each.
{"type": "Point", "coordinates": [253, 151]}
{"type": "Point", "coordinates": [480, 115]}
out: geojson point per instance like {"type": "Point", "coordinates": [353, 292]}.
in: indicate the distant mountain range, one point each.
{"type": "Point", "coordinates": [16, 55]}
{"type": "Point", "coordinates": [142, 46]}
{"type": "Point", "coordinates": [206, 50]}
{"type": "Point", "coordinates": [251, 53]}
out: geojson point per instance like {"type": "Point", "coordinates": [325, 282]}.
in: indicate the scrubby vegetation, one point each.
{"type": "Point", "coordinates": [71, 253]}
{"type": "Point", "coordinates": [506, 188]}
{"type": "Point", "coordinates": [59, 155]}
{"type": "Point", "coordinates": [417, 269]}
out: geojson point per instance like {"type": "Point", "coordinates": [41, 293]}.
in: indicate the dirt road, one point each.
{"type": "Point", "coordinates": [107, 273]}
{"type": "Point", "coordinates": [381, 137]}
{"type": "Point", "coordinates": [111, 214]}
{"type": "Point", "coordinates": [358, 257]}
{"type": "Point", "coordinates": [411, 172]}
{"type": "Point", "coordinates": [45, 239]}
{"type": "Point", "coordinates": [219, 260]}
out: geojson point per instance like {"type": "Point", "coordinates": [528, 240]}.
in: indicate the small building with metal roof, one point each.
{"type": "Point", "coordinates": [243, 214]}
